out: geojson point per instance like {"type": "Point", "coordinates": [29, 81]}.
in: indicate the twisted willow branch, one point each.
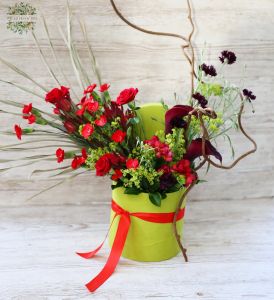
{"type": "Point", "coordinates": [190, 59]}
{"type": "Point", "coordinates": [177, 235]}
{"type": "Point", "coordinates": [205, 137]}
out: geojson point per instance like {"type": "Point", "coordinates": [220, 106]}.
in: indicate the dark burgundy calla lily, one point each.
{"type": "Point", "coordinates": [174, 117]}
{"type": "Point", "coordinates": [194, 150]}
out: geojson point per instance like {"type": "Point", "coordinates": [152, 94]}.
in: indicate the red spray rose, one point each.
{"type": "Point", "coordinates": [104, 87]}
{"type": "Point", "coordinates": [70, 127]}
{"type": "Point", "coordinates": [117, 174]}
{"type": "Point", "coordinates": [132, 163]}
{"type": "Point", "coordinates": [126, 96]}
{"type": "Point", "coordinates": [18, 131]}
{"type": "Point", "coordinates": [103, 165]}
{"type": "Point", "coordinates": [118, 136]}
{"type": "Point", "coordinates": [87, 130]}
{"type": "Point", "coordinates": [102, 121]}
{"type": "Point", "coordinates": [60, 154]}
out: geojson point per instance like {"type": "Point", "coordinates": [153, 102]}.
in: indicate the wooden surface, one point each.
{"type": "Point", "coordinates": [229, 221]}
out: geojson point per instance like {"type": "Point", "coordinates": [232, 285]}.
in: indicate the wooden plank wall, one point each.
{"type": "Point", "coordinates": [157, 67]}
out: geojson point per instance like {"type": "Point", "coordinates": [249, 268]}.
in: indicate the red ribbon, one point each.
{"type": "Point", "coordinates": [120, 239]}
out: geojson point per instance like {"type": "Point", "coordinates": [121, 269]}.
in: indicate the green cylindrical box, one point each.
{"type": "Point", "coordinates": [147, 241]}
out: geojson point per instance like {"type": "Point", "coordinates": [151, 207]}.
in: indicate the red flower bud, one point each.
{"type": "Point", "coordinates": [70, 127]}
{"type": "Point", "coordinates": [64, 105]}
{"type": "Point", "coordinates": [18, 131]}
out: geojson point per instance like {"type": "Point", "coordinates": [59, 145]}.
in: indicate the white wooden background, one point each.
{"type": "Point", "coordinates": [229, 221]}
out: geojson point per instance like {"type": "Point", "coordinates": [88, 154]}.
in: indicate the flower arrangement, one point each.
{"type": "Point", "coordinates": [109, 136]}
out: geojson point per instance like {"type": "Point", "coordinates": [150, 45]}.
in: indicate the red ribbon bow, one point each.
{"type": "Point", "coordinates": [120, 239]}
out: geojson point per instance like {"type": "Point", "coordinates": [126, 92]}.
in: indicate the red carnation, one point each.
{"type": "Point", "coordinates": [103, 165]}
{"type": "Point", "coordinates": [31, 118]}
{"type": "Point", "coordinates": [60, 154]}
{"type": "Point", "coordinates": [90, 88]}
{"type": "Point", "coordinates": [117, 174]}
{"type": "Point", "coordinates": [18, 131]}
{"type": "Point", "coordinates": [132, 163]}
{"type": "Point", "coordinates": [126, 96]}
{"type": "Point", "coordinates": [54, 96]}
{"type": "Point", "coordinates": [102, 121]}
{"type": "Point", "coordinates": [104, 87]}
{"type": "Point", "coordinates": [91, 105]}
{"type": "Point", "coordinates": [70, 127]}
{"type": "Point", "coordinates": [27, 109]}
{"type": "Point", "coordinates": [87, 130]}
{"type": "Point", "coordinates": [118, 136]}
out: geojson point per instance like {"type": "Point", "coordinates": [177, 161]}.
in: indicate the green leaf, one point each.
{"type": "Point", "coordinates": [155, 198]}
{"type": "Point", "coordinates": [134, 121]}
{"type": "Point", "coordinates": [132, 191]}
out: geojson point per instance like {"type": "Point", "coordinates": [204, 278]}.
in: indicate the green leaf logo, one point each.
{"type": "Point", "coordinates": [21, 17]}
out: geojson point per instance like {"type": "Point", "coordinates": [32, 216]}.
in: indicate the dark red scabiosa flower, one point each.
{"type": "Point", "coordinates": [90, 89]}
{"type": "Point", "coordinates": [201, 99]}
{"type": "Point", "coordinates": [167, 180]}
{"type": "Point", "coordinates": [101, 121]}
{"type": "Point", "coordinates": [70, 127]}
{"type": "Point", "coordinates": [18, 131]}
{"type": "Point", "coordinates": [174, 117]}
{"type": "Point", "coordinates": [164, 168]}
{"type": "Point", "coordinates": [87, 130]}
{"type": "Point", "coordinates": [126, 96]}
{"type": "Point", "coordinates": [132, 163]}
{"type": "Point", "coordinates": [228, 57]}
{"type": "Point", "coordinates": [118, 136]}
{"type": "Point", "coordinates": [117, 174]}
{"type": "Point", "coordinates": [104, 87]}
{"type": "Point", "coordinates": [208, 70]}
{"type": "Point", "coordinates": [194, 150]}
{"type": "Point", "coordinates": [248, 95]}
{"type": "Point", "coordinates": [60, 154]}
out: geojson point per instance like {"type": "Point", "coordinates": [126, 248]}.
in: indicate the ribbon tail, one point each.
{"type": "Point", "coordinates": [115, 254]}
{"type": "Point", "coordinates": [88, 255]}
